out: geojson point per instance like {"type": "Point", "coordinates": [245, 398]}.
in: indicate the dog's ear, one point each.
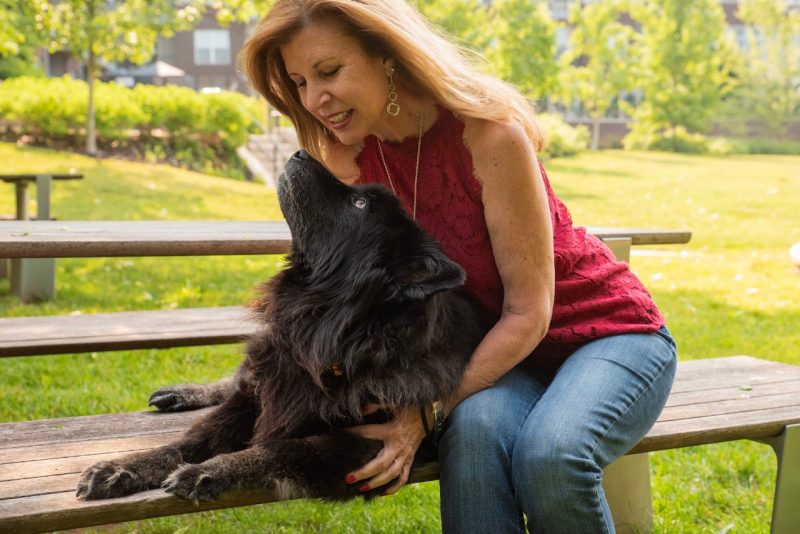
{"type": "Point", "coordinates": [428, 274]}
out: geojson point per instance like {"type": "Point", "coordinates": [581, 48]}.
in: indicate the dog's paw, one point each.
{"type": "Point", "coordinates": [105, 480]}
{"type": "Point", "coordinates": [177, 398]}
{"type": "Point", "coordinates": [194, 483]}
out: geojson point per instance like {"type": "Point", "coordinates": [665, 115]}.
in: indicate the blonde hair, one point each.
{"type": "Point", "coordinates": [427, 61]}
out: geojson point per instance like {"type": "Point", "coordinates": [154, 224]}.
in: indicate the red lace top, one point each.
{"type": "Point", "coordinates": [595, 295]}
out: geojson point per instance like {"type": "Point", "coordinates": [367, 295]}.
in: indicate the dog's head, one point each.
{"type": "Point", "coordinates": [359, 236]}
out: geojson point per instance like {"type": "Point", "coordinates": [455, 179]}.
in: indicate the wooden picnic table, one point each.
{"type": "Point", "coordinates": [43, 185]}
{"type": "Point", "coordinates": [32, 278]}
{"type": "Point", "coordinates": [73, 239]}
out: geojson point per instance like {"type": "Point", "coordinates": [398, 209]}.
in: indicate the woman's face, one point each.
{"type": "Point", "coordinates": [339, 83]}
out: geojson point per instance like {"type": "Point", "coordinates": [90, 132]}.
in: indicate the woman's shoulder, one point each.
{"type": "Point", "coordinates": [488, 135]}
{"type": "Point", "coordinates": [501, 152]}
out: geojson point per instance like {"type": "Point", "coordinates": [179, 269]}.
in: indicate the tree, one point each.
{"type": "Point", "coordinates": [466, 20]}
{"type": "Point", "coordinates": [111, 31]}
{"type": "Point", "coordinates": [686, 62]}
{"type": "Point", "coordinates": [598, 65]}
{"type": "Point", "coordinates": [523, 49]}
{"type": "Point", "coordinates": [769, 88]}
{"type": "Point", "coordinates": [18, 39]}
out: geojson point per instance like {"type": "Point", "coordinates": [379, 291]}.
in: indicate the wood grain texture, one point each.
{"type": "Point", "coordinates": [60, 334]}
{"type": "Point", "coordinates": [713, 400]}
{"type": "Point", "coordinates": [73, 239]}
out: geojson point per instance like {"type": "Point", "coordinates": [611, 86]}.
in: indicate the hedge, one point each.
{"type": "Point", "coordinates": [170, 123]}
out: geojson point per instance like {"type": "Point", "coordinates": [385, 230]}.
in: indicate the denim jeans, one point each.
{"type": "Point", "coordinates": [537, 445]}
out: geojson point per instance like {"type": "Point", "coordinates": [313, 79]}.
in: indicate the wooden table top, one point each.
{"type": "Point", "coordinates": [13, 178]}
{"type": "Point", "coordinates": [72, 239]}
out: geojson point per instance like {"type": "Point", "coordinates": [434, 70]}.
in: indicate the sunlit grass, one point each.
{"type": "Point", "coordinates": [732, 290]}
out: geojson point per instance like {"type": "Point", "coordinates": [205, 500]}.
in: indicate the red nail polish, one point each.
{"type": "Point", "coordinates": [365, 487]}
{"type": "Point", "coordinates": [349, 479]}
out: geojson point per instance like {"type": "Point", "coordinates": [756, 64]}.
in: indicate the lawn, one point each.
{"type": "Point", "coordinates": [732, 290]}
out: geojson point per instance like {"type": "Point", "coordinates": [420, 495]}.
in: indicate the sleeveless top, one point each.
{"type": "Point", "coordinates": [595, 295]}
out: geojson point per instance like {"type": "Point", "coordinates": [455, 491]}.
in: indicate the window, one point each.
{"type": "Point", "coordinates": [166, 50]}
{"type": "Point", "coordinates": [212, 47]}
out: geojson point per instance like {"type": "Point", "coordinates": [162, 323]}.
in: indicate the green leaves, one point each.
{"type": "Point", "coordinates": [768, 86]}
{"type": "Point", "coordinates": [524, 46]}
{"type": "Point", "coordinates": [686, 59]}
{"type": "Point", "coordinates": [113, 31]}
{"type": "Point", "coordinates": [598, 65]}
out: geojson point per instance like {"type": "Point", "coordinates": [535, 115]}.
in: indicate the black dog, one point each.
{"type": "Point", "coordinates": [368, 310]}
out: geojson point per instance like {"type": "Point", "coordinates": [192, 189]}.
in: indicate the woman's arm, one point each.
{"type": "Point", "coordinates": [517, 215]}
{"type": "Point", "coordinates": [518, 218]}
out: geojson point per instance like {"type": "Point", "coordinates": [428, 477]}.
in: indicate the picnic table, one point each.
{"type": "Point", "coordinates": [183, 327]}
{"type": "Point", "coordinates": [43, 186]}
{"type": "Point", "coordinates": [32, 278]}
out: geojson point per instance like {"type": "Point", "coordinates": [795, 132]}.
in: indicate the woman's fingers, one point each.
{"type": "Point", "coordinates": [394, 470]}
{"type": "Point", "coordinates": [377, 432]}
{"type": "Point", "coordinates": [401, 437]}
{"type": "Point", "coordinates": [374, 467]}
{"type": "Point", "coordinates": [401, 481]}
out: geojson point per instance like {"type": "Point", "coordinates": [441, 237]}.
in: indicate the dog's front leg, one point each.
{"type": "Point", "coordinates": [227, 428]}
{"type": "Point", "coordinates": [313, 466]}
{"type": "Point", "coordinates": [183, 397]}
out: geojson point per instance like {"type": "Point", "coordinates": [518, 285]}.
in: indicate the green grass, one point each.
{"type": "Point", "coordinates": [732, 290]}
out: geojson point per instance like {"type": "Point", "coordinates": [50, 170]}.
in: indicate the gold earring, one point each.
{"type": "Point", "coordinates": [392, 108]}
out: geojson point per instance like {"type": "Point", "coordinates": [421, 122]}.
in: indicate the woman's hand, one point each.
{"type": "Point", "coordinates": [401, 438]}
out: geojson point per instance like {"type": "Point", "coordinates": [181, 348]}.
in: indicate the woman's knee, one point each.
{"type": "Point", "coordinates": [488, 421]}
{"type": "Point", "coordinates": [553, 459]}
{"type": "Point", "coordinates": [474, 428]}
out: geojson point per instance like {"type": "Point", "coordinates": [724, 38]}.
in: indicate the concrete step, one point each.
{"type": "Point", "coordinates": [266, 154]}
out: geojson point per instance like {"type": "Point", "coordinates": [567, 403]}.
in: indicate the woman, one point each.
{"type": "Point", "coordinates": [579, 364]}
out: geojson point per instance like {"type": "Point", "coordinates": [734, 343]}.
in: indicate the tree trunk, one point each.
{"type": "Point", "coordinates": [595, 133]}
{"type": "Point", "coordinates": [91, 134]}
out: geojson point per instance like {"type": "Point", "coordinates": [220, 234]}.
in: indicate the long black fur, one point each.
{"type": "Point", "coordinates": [368, 310]}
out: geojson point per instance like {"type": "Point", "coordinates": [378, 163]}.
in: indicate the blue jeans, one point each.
{"type": "Point", "coordinates": [537, 445]}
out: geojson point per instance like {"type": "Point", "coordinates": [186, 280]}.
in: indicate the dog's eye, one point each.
{"type": "Point", "coordinates": [360, 202]}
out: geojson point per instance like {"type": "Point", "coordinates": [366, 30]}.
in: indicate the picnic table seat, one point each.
{"type": "Point", "coordinates": [712, 401]}
{"type": "Point", "coordinates": [60, 334]}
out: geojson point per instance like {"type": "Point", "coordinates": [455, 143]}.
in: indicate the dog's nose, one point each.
{"type": "Point", "coordinates": [302, 155]}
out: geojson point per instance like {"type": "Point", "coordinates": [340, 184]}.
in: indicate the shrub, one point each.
{"type": "Point", "coordinates": [759, 145]}
{"type": "Point", "coordinates": [677, 140]}
{"type": "Point", "coordinates": [53, 105]}
{"type": "Point", "coordinates": [175, 124]}
{"type": "Point", "coordinates": [693, 143]}
{"type": "Point", "coordinates": [561, 139]}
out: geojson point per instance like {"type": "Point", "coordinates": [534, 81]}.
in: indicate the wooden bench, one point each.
{"type": "Point", "coordinates": [32, 279]}
{"type": "Point", "coordinates": [713, 401]}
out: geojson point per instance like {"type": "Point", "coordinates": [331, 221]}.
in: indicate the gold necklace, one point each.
{"type": "Point", "coordinates": [416, 167]}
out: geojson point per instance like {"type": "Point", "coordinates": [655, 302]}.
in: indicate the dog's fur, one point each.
{"type": "Point", "coordinates": [368, 310]}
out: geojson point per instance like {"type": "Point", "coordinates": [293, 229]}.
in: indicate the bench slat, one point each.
{"type": "Point", "coordinates": [91, 427]}
{"type": "Point", "coordinates": [41, 461]}
{"type": "Point", "coordinates": [32, 336]}
{"type": "Point", "coordinates": [760, 424]}
{"type": "Point", "coordinates": [734, 392]}
{"type": "Point", "coordinates": [80, 448]}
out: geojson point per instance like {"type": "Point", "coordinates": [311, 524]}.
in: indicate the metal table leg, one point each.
{"type": "Point", "coordinates": [786, 506]}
